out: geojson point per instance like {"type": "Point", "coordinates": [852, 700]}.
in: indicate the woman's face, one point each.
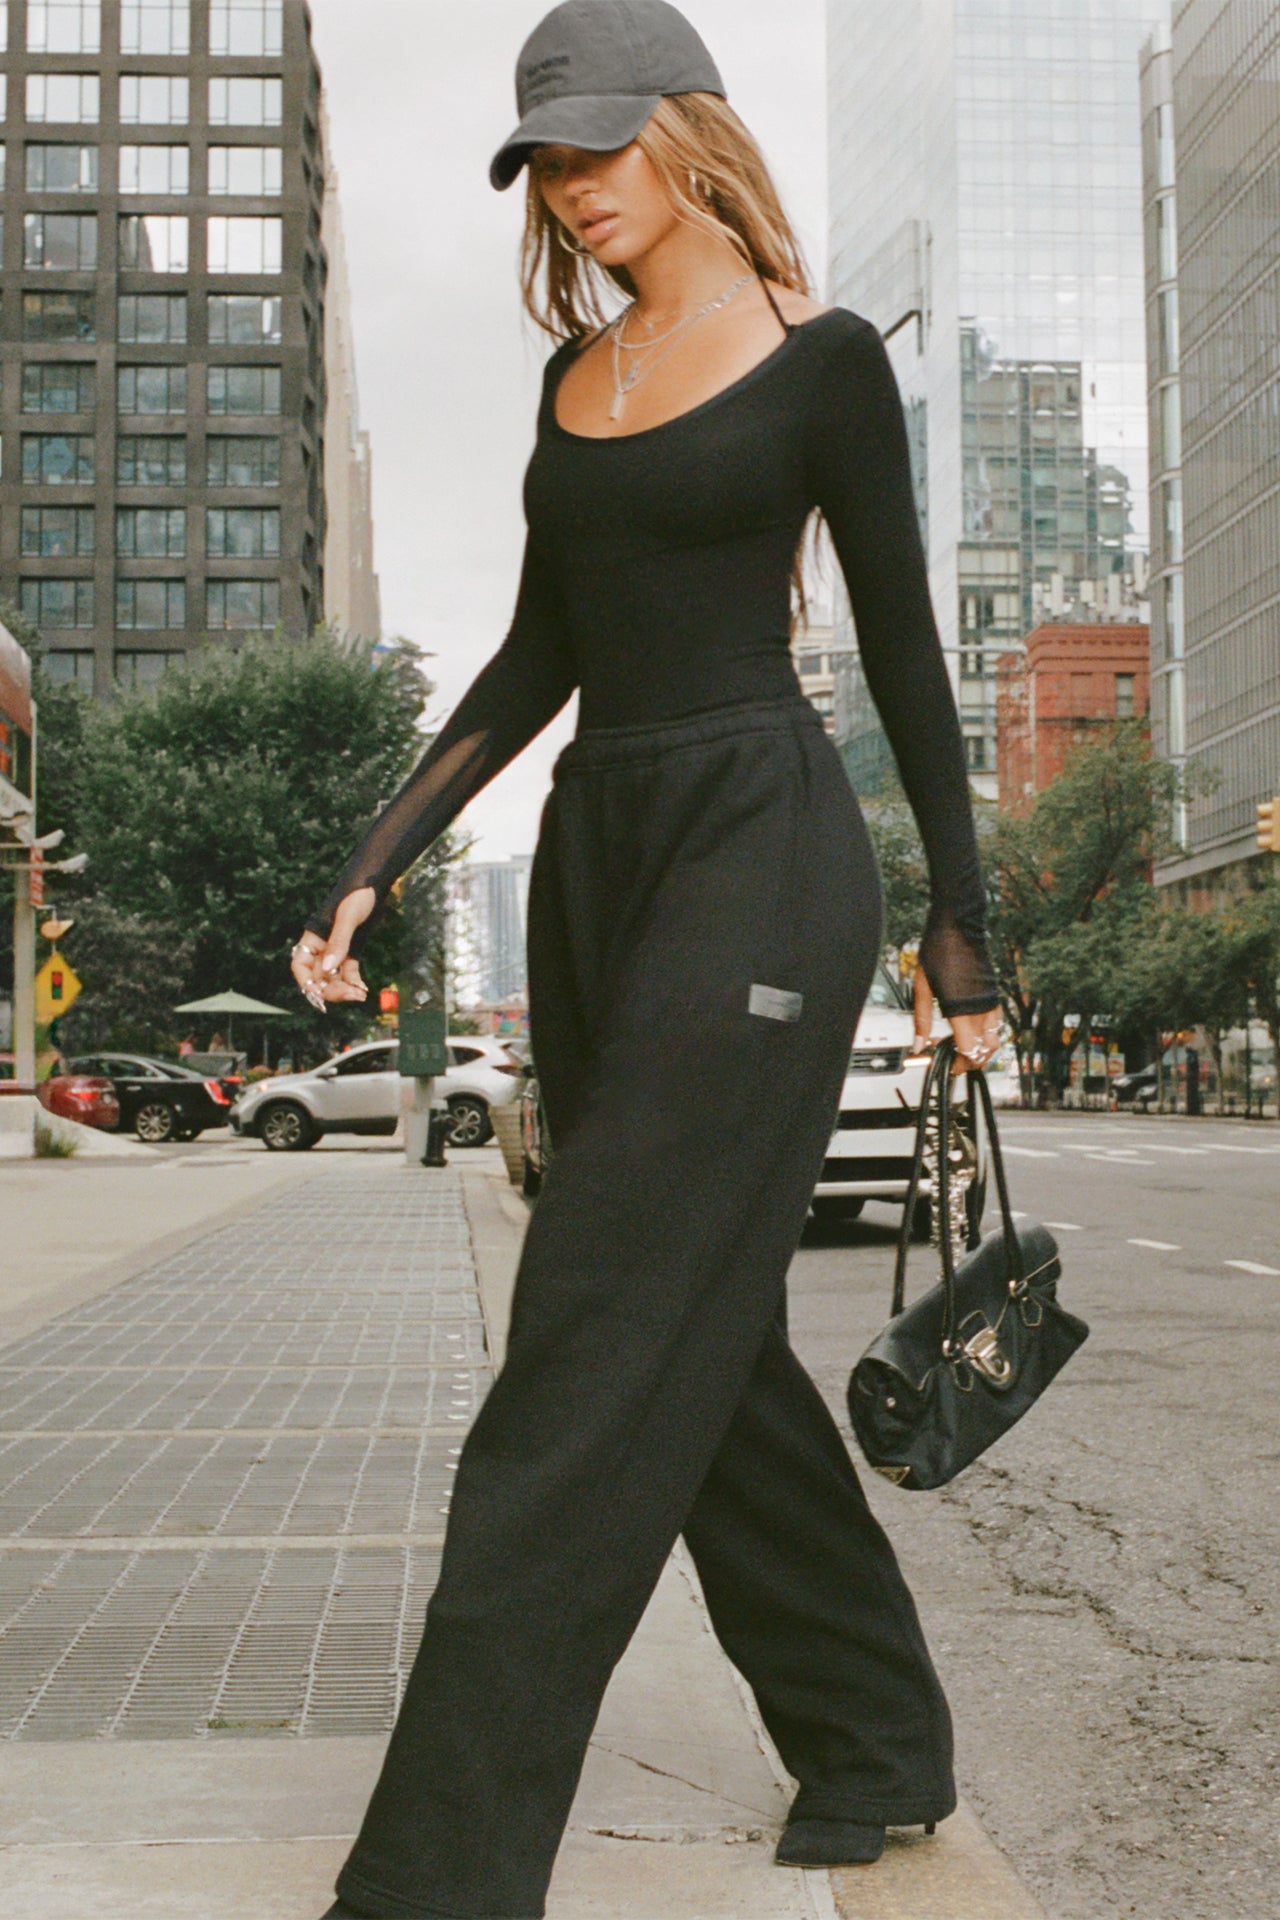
{"type": "Point", "coordinates": [612, 203]}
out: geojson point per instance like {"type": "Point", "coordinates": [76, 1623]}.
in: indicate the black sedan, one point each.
{"type": "Point", "coordinates": [159, 1099]}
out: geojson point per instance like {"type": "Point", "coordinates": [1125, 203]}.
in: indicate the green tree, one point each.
{"type": "Point", "coordinates": [1071, 891]}
{"type": "Point", "coordinates": [217, 809]}
{"type": "Point", "coordinates": [904, 875]}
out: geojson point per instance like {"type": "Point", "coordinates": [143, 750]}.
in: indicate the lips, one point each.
{"type": "Point", "coordinates": [595, 225]}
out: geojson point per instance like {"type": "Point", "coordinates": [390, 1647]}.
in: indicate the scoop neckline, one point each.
{"type": "Point", "coordinates": [690, 413]}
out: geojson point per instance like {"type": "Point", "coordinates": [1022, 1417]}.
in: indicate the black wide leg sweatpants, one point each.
{"type": "Point", "coordinates": [704, 918]}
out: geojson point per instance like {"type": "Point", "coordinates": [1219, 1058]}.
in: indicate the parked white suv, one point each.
{"type": "Point", "coordinates": [869, 1156]}
{"type": "Point", "coordinates": [359, 1092]}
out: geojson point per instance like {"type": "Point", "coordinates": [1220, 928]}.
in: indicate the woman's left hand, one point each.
{"type": "Point", "coordinates": [977, 1035]}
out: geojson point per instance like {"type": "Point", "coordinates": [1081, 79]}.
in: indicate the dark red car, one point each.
{"type": "Point", "coordinates": [89, 1098]}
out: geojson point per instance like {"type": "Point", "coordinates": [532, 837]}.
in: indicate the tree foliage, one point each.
{"type": "Point", "coordinates": [216, 810]}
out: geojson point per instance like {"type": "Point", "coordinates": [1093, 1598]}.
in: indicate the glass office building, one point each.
{"type": "Point", "coordinates": [986, 214]}
{"type": "Point", "coordinates": [1212, 161]}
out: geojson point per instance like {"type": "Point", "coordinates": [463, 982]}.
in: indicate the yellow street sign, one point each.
{"type": "Point", "coordinates": [56, 987]}
{"type": "Point", "coordinates": [1269, 826]}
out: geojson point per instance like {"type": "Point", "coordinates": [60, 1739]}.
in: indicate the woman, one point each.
{"type": "Point", "coordinates": [704, 917]}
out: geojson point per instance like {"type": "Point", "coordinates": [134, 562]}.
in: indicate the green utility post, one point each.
{"type": "Point", "coordinates": [423, 1054]}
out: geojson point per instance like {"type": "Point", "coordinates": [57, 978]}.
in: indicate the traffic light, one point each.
{"type": "Point", "coordinates": [1269, 826]}
{"type": "Point", "coordinates": [389, 1000]}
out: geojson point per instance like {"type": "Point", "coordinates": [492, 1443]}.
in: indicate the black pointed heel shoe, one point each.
{"type": "Point", "coordinates": [833, 1843]}
{"type": "Point", "coordinates": [830, 1843]}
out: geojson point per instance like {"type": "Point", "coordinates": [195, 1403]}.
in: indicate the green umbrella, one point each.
{"type": "Point", "coordinates": [232, 1004]}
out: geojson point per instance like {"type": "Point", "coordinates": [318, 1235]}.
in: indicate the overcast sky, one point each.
{"type": "Point", "coordinates": [420, 94]}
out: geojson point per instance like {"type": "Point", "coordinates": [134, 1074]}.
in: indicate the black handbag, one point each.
{"type": "Point", "coordinates": [954, 1370]}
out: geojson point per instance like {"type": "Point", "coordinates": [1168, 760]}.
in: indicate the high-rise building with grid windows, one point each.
{"type": "Point", "coordinates": [986, 214]}
{"type": "Point", "coordinates": [163, 313]}
{"type": "Point", "coordinates": [1212, 161]}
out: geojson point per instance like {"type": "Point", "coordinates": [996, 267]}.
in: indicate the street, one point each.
{"type": "Point", "coordinates": [1101, 1589]}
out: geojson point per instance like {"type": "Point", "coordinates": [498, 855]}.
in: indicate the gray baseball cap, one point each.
{"type": "Point", "coordinates": [593, 71]}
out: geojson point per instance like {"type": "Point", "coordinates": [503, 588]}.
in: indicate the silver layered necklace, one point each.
{"type": "Point", "coordinates": [650, 353]}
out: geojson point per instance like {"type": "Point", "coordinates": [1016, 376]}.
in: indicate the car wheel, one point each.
{"type": "Point", "coordinates": [922, 1220]}
{"type": "Point", "coordinates": [530, 1178]}
{"type": "Point", "coordinates": [155, 1123]}
{"type": "Point", "coordinates": [469, 1122]}
{"type": "Point", "coordinates": [285, 1127]}
{"type": "Point", "coordinates": [837, 1206]}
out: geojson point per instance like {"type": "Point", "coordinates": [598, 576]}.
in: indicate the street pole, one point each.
{"type": "Point", "coordinates": [24, 980]}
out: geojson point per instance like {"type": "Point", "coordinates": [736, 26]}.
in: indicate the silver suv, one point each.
{"type": "Point", "coordinates": [359, 1091]}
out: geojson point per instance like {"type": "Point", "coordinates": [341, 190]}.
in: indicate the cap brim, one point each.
{"type": "Point", "coordinates": [598, 122]}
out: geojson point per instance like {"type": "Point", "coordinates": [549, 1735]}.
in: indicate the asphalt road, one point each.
{"type": "Point", "coordinates": [1100, 1590]}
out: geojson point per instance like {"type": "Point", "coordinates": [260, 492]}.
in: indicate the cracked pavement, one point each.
{"type": "Point", "coordinates": [1101, 1589]}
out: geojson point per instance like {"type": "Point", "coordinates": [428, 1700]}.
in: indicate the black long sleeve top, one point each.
{"type": "Point", "coordinates": [656, 580]}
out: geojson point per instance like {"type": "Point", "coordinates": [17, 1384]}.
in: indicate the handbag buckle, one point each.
{"type": "Point", "coordinates": [982, 1351]}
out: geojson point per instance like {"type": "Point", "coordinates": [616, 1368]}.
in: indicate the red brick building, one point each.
{"type": "Point", "coordinates": [1070, 680]}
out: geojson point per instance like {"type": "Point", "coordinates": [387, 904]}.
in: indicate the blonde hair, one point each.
{"type": "Point", "coordinates": [716, 178]}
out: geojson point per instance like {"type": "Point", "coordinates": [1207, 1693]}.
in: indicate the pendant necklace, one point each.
{"type": "Point", "coordinates": [625, 379]}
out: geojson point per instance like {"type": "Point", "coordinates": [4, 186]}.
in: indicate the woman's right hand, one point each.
{"type": "Point", "coordinates": [324, 969]}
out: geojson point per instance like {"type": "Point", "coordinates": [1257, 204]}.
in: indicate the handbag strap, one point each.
{"type": "Point", "coordinates": [938, 1085]}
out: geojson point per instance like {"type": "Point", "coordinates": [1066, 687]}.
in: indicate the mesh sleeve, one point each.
{"type": "Point", "coordinates": [860, 476]}
{"type": "Point", "coordinates": [512, 698]}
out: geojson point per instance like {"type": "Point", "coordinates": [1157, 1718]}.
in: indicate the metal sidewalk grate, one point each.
{"type": "Point", "coordinates": [223, 1485]}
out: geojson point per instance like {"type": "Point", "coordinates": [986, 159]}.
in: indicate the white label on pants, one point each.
{"type": "Point", "coordinates": [775, 1003]}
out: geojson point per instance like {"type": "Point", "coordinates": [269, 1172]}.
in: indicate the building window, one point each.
{"type": "Point", "coordinates": [242, 533]}
{"type": "Point", "coordinates": [58, 316]}
{"type": "Point", "coordinates": [57, 603]}
{"type": "Point", "coordinates": [253, 28]}
{"type": "Point", "coordinates": [69, 667]}
{"type": "Point", "coordinates": [1125, 708]}
{"type": "Point", "coordinates": [975, 752]}
{"type": "Point", "coordinates": [246, 101]}
{"type": "Point", "coordinates": [243, 462]}
{"type": "Point", "coordinates": [57, 459]}
{"type": "Point", "coordinates": [62, 169]}
{"type": "Point", "coordinates": [154, 100]}
{"type": "Point", "coordinates": [244, 390]}
{"type": "Point", "coordinates": [245, 320]}
{"type": "Point", "coordinates": [64, 26]}
{"type": "Point", "coordinates": [153, 605]}
{"type": "Point", "coordinates": [153, 243]}
{"type": "Point", "coordinates": [49, 386]}
{"type": "Point", "coordinates": [155, 26]}
{"type": "Point", "coordinates": [246, 170]}
{"type": "Point", "coordinates": [1171, 496]}
{"type": "Point", "coordinates": [247, 605]}
{"type": "Point", "coordinates": [61, 242]}
{"type": "Point", "coordinates": [808, 663]}
{"type": "Point", "coordinates": [151, 319]}
{"type": "Point", "coordinates": [58, 533]}
{"type": "Point", "coordinates": [151, 389]}
{"type": "Point", "coordinates": [155, 169]}
{"type": "Point", "coordinates": [135, 672]}
{"type": "Point", "coordinates": [245, 243]}
{"type": "Point", "coordinates": [151, 460]}
{"type": "Point", "coordinates": [65, 99]}
{"type": "Point", "coordinates": [151, 533]}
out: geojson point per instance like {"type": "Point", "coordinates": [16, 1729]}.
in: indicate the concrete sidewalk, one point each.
{"type": "Point", "coordinates": [223, 1474]}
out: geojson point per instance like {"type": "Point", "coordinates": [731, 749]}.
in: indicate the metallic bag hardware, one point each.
{"type": "Point", "coordinates": [958, 1367]}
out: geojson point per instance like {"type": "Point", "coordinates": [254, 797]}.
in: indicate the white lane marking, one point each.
{"type": "Point", "coordinates": [1064, 1226]}
{"type": "Point", "coordinates": [1032, 1153]}
{"type": "Point", "coordinates": [1157, 1246]}
{"type": "Point", "coordinates": [1252, 1266]}
{"type": "Point", "coordinates": [1216, 1148]}
{"type": "Point", "coordinates": [1114, 1158]}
